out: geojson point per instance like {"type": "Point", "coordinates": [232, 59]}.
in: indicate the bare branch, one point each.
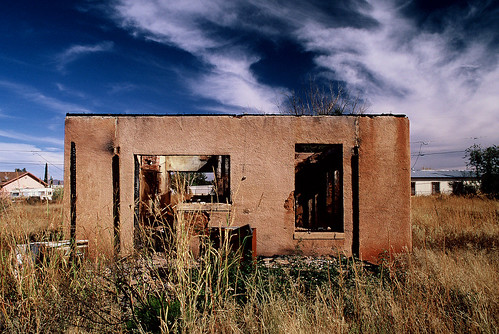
{"type": "Point", "coordinates": [317, 101]}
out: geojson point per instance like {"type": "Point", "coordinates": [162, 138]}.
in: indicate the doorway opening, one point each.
{"type": "Point", "coordinates": [319, 187]}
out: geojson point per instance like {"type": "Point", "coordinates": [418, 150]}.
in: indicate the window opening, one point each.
{"type": "Point", "coordinates": [319, 187]}
{"type": "Point", "coordinates": [165, 181]}
{"type": "Point", "coordinates": [413, 188]}
{"type": "Point", "coordinates": [435, 187]}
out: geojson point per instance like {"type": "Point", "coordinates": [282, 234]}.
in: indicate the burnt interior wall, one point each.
{"type": "Point", "coordinates": [262, 174]}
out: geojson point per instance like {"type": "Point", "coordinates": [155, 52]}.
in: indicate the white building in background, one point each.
{"type": "Point", "coordinates": [41, 193]}
{"type": "Point", "coordinates": [433, 182]}
{"type": "Point", "coordinates": [15, 185]}
{"type": "Point", "coordinates": [204, 190]}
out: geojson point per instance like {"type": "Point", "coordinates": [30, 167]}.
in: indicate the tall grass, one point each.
{"type": "Point", "coordinates": [38, 221]}
{"type": "Point", "coordinates": [450, 283]}
{"type": "Point", "coordinates": [455, 222]}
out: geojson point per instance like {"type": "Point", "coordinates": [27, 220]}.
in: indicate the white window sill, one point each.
{"type": "Point", "coordinates": [209, 207]}
{"type": "Point", "coordinates": [319, 236]}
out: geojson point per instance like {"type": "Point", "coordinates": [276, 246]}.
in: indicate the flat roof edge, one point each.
{"type": "Point", "coordinates": [225, 115]}
{"type": "Point", "coordinates": [429, 178]}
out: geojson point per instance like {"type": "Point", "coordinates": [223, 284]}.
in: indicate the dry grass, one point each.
{"type": "Point", "coordinates": [449, 222]}
{"type": "Point", "coordinates": [34, 221]}
{"type": "Point", "coordinates": [450, 283]}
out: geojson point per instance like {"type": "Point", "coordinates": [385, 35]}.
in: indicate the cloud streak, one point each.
{"type": "Point", "coordinates": [75, 52]}
{"type": "Point", "coordinates": [446, 92]}
{"type": "Point", "coordinates": [121, 87]}
{"type": "Point", "coordinates": [4, 115]}
{"type": "Point", "coordinates": [405, 70]}
{"type": "Point", "coordinates": [38, 97]}
{"type": "Point", "coordinates": [69, 91]}
{"type": "Point", "coordinates": [228, 79]}
{"type": "Point", "coordinates": [28, 138]}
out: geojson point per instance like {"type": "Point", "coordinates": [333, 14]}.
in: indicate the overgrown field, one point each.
{"type": "Point", "coordinates": [450, 283]}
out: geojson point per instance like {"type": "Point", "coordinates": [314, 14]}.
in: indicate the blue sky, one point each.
{"type": "Point", "coordinates": [435, 61]}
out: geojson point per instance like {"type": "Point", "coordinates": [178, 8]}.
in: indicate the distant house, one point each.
{"type": "Point", "coordinates": [432, 182]}
{"type": "Point", "coordinates": [15, 185]}
{"type": "Point", "coordinates": [56, 183]}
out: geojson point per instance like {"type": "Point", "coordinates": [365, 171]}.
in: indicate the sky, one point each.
{"type": "Point", "coordinates": [434, 61]}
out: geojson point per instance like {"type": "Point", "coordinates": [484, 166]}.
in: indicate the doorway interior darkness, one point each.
{"type": "Point", "coordinates": [319, 187]}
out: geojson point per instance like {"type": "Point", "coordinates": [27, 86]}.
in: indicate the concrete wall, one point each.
{"type": "Point", "coordinates": [262, 157]}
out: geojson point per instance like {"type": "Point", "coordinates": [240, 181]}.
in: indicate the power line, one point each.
{"type": "Point", "coordinates": [31, 151]}
{"type": "Point", "coordinates": [29, 163]}
{"type": "Point", "coordinates": [440, 139]}
{"type": "Point", "coordinates": [48, 162]}
{"type": "Point", "coordinates": [35, 152]}
{"type": "Point", "coordinates": [419, 154]}
{"type": "Point", "coordinates": [23, 151]}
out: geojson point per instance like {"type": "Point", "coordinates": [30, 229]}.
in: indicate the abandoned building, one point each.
{"type": "Point", "coordinates": [312, 185]}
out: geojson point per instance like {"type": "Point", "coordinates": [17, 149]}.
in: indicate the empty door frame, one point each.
{"type": "Point", "coordinates": [319, 187]}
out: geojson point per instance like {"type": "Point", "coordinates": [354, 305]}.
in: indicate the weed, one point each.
{"type": "Point", "coordinates": [447, 284]}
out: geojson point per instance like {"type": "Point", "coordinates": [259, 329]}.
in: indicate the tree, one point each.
{"type": "Point", "coordinates": [46, 177]}
{"type": "Point", "coordinates": [321, 100]}
{"type": "Point", "coordinates": [461, 188]}
{"type": "Point", "coordinates": [18, 170]}
{"type": "Point", "coordinates": [485, 162]}
{"type": "Point", "coordinates": [199, 179]}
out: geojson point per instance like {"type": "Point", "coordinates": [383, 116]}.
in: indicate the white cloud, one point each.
{"type": "Point", "coordinates": [76, 51]}
{"type": "Point", "coordinates": [229, 79]}
{"type": "Point", "coordinates": [175, 22]}
{"type": "Point", "coordinates": [29, 138]}
{"type": "Point", "coordinates": [231, 83]}
{"type": "Point", "coordinates": [447, 95]}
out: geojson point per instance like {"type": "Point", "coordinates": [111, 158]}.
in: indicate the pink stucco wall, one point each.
{"type": "Point", "coordinates": [262, 157]}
